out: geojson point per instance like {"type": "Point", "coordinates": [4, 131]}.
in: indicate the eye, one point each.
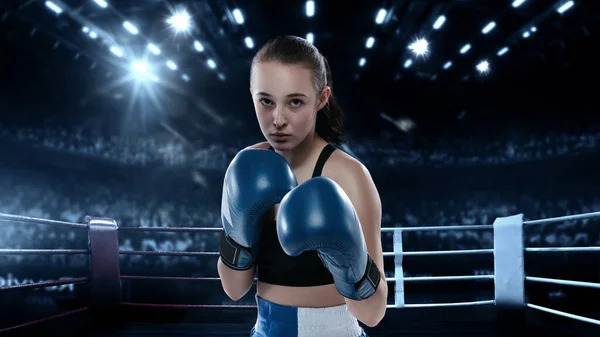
{"type": "Point", "coordinates": [265, 102]}
{"type": "Point", "coordinates": [296, 103]}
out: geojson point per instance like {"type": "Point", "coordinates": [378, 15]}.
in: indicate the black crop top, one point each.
{"type": "Point", "coordinates": [276, 267]}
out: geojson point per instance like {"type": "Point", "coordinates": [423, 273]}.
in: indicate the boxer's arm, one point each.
{"type": "Point", "coordinates": [356, 181]}
{"type": "Point", "coordinates": [235, 283]}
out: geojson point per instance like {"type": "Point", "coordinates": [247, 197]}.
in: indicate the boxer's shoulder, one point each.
{"type": "Point", "coordinates": [342, 165]}
{"type": "Point", "coordinates": [261, 145]}
{"type": "Point", "coordinates": [356, 180]}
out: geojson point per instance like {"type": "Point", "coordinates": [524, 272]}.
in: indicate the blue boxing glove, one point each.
{"type": "Point", "coordinates": [318, 215]}
{"type": "Point", "coordinates": [255, 181]}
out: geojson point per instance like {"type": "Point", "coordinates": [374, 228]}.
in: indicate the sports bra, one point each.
{"type": "Point", "coordinates": [274, 266]}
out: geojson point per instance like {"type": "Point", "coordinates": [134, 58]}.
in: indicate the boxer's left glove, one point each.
{"type": "Point", "coordinates": [318, 215]}
{"type": "Point", "coordinates": [255, 181]}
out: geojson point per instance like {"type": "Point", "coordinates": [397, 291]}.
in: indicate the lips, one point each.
{"type": "Point", "coordinates": [280, 137]}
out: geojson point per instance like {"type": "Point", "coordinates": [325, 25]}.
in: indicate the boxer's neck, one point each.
{"type": "Point", "coordinates": [303, 153]}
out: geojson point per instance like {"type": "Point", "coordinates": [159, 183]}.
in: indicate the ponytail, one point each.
{"type": "Point", "coordinates": [330, 118]}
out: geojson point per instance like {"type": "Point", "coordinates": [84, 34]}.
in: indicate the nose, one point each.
{"type": "Point", "coordinates": [279, 118]}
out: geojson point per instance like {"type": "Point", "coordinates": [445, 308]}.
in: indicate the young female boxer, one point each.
{"type": "Point", "coordinates": [300, 214]}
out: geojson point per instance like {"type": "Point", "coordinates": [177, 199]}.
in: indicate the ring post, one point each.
{"type": "Point", "coordinates": [509, 271]}
{"type": "Point", "coordinates": [105, 282]}
{"type": "Point", "coordinates": [398, 270]}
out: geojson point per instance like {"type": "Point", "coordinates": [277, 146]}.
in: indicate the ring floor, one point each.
{"type": "Point", "coordinates": [438, 322]}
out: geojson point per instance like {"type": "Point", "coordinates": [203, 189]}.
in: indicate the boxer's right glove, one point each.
{"type": "Point", "coordinates": [255, 181]}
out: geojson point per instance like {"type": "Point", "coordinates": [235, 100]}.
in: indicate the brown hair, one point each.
{"type": "Point", "coordinates": [287, 49]}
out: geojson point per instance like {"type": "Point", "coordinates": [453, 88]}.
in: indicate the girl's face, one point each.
{"type": "Point", "coordinates": [285, 102]}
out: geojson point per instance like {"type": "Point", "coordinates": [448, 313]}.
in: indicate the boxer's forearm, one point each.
{"type": "Point", "coordinates": [235, 283]}
{"type": "Point", "coordinates": [370, 311]}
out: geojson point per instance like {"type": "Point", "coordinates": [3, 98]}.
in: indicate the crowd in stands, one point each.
{"type": "Point", "coordinates": [165, 149]}
{"type": "Point", "coordinates": [37, 194]}
{"type": "Point", "coordinates": [161, 148]}
{"type": "Point", "coordinates": [477, 150]}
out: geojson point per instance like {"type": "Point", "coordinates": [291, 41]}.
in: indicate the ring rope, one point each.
{"type": "Point", "coordinates": [170, 229]}
{"type": "Point", "coordinates": [456, 304]}
{"type": "Point", "coordinates": [561, 249]}
{"type": "Point", "coordinates": [564, 282]}
{"type": "Point", "coordinates": [188, 306]}
{"type": "Point", "coordinates": [448, 278]}
{"type": "Point", "coordinates": [169, 253]}
{"type": "Point", "coordinates": [563, 218]}
{"type": "Point", "coordinates": [564, 314]}
{"type": "Point", "coordinates": [45, 284]}
{"type": "Point", "coordinates": [443, 252]}
{"type": "Point", "coordinates": [37, 221]}
{"type": "Point", "coordinates": [32, 220]}
{"type": "Point", "coordinates": [436, 228]}
{"type": "Point", "coordinates": [42, 251]}
{"type": "Point", "coordinates": [64, 314]}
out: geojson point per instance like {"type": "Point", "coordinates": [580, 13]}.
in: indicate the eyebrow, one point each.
{"type": "Point", "coordinates": [296, 94]}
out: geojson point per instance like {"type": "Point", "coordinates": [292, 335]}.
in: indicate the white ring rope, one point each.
{"type": "Point", "coordinates": [564, 314]}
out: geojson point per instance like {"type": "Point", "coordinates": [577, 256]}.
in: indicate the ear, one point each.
{"type": "Point", "coordinates": [324, 97]}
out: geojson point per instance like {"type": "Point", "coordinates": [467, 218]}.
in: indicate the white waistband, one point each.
{"type": "Point", "coordinates": [329, 322]}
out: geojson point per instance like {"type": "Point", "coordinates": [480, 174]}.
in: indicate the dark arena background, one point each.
{"type": "Point", "coordinates": [465, 112]}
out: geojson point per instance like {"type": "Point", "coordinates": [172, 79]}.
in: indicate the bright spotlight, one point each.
{"type": "Point", "coordinates": [407, 63]}
{"type": "Point", "coordinates": [140, 68]}
{"type": "Point", "coordinates": [362, 62]}
{"type": "Point", "coordinates": [142, 72]}
{"type": "Point", "coordinates": [310, 8]}
{"type": "Point", "coordinates": [439, 22]}
{"type": "Point", "coordinates": [419, 47]}
{"type": "Point", "coordinates": [130, 27]}
{"type": "Point", "coordinates": [171, 65]}
{"type": "Point", "coordinates": [180, 21]}
{"type": "Point", "coordinates": [370, 42]}
{"type": "Point", "coordinates": [238, 16]}
{"type": "Point", "coordinates": [380, 16]}
{"type": "Point", "coordinates": [249, 42]}
{"type": "Point", "coordinates": [154, 49]}
{"type": "Point", "coordinates": [489, 27]}
{"type": "Point", "coordinates": [211, 63]}
{"type": "Point", "coordinates": [465, 48]}
{"type": "Point", "coordinates": [198, 46]}
{"type": "Point", "coordinates": [310, 37]}
{"type": "Point", "coordinates": [517, 3]}
{"type": "Point", "coordinates": [101, 3]}
{"type": "Point", "coordinates": [117, 51]}
{"type": "Point", "coordinates": [564, 7]}
{"type": "Point", "coordinates": [483, 66]}
{"type": "Point", "coordinates": [54, 7]}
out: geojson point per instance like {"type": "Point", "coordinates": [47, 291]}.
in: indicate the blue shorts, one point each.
{"type": "Point", "coordinates": [276, 320]}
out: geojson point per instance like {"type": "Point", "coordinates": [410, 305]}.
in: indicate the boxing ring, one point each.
{"type": "Point", "coordinates": [104, 279]}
